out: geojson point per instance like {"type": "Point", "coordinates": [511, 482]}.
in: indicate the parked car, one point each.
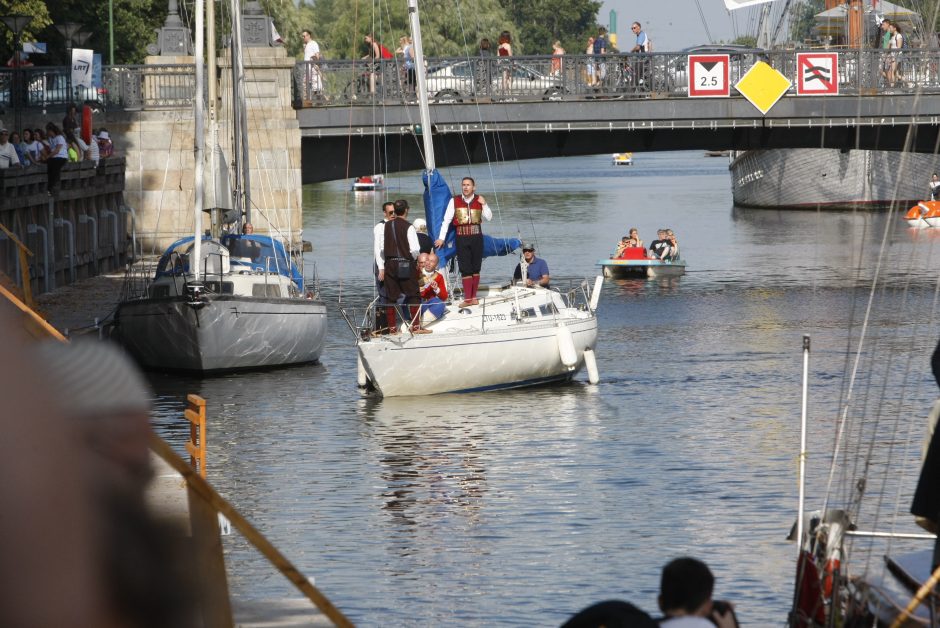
{"type": "Point", "coordinates": [484, 77]}
{"type": "Point", "coordinates": [740, 60]}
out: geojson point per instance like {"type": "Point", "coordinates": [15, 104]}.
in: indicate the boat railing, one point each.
{"type": "Point", "coordinates": [205, 269]}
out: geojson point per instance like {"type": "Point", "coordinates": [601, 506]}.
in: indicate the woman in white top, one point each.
{"type": "Point", "coordinates": [56, 156]}
{"type": "Point", "coordinates": [935, 187]}
{"type": "Point", "coordinates": [895, 44]}
{"type": "Point", "coordinates": [590, 64]}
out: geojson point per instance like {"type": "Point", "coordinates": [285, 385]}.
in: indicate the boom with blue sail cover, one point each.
{"type": "Point", "coordinates": [437, 195]}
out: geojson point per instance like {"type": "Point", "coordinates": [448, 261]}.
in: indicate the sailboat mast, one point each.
{"type": "Point", "coordinates": [424, 111]}
{"type": "Point", "coordinates": [241, 121]}
{"type": "Point", "coordinates": [199, 140]}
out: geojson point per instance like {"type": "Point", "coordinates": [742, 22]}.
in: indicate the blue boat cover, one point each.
{"type": "Point", "coordinates": [436, 197]}
{"type": "Point", "coordinates": [262, 248]}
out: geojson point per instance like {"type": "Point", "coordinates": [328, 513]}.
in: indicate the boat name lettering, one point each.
{"type": "Point", "coordinates": [495, 317]}
{"type": "Point", "coordinates": [751, 176]}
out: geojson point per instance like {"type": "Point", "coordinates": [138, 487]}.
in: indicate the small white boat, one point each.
{"type": "Point", "coordinates": [622, 159]}
{"type": "Point", "coordinates": [368, 183]}
{"type": "Point", "coordinates": [619, 268]}
{"type": "Point", "coordinates": [515, 337]}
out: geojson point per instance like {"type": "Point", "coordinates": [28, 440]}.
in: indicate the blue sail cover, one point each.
{"type": "Point", "coordinates": [267, 253]}
{"type": "Point", "coordinates": [436, 197]}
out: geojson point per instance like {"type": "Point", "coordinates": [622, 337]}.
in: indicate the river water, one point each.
{"type": "Point", "coordinates": [521, 507]}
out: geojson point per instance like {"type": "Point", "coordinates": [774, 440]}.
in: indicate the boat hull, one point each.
{"type": "Point", "coordinates": [811, 178]}
{"type": "Point", "coordinates": [525, 354]}
{"type": "Point", "coordinates": [223, 333]}
{"type": "Point", "coordinates": [641, 268]}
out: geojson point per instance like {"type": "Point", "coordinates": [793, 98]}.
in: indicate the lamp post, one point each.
{"type": "Point", "coordinates": [16, 23]}
{"type": "Point", "coordinates": [72, 32]}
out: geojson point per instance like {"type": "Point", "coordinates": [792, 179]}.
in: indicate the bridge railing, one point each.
{"type": "Point", "coordinates": [130, 87]}
{"type": "Point", "coordinates": [579, 77]}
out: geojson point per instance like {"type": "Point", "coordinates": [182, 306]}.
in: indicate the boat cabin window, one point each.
{"type": "Point", "coordinates": [266, 290]}
{"type": "Point", "coordinates": [227, 287]}
{"type": "Point", "coordinates": [548, 309]}
{"type": "Point", "coordinates": [529, 312]}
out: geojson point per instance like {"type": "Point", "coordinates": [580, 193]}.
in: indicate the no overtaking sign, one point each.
{"type": "Point", "coordinates": [817, 74]}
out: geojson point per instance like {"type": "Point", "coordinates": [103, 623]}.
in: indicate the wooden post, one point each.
{"type": "Point", "coordinates": [22, 251]}
{"type": "Point", "coordinates": [196, 446]}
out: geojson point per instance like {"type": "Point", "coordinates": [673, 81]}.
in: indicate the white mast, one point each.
{"type": "Point", "coordinates": [199, 140]}
{"type": "Point", "coordinates": [429, 165]}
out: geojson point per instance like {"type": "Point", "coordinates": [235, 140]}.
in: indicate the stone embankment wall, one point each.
{"type": "Point", "coordinates": [158, 144]}
{"type": "Point", "coordinates": [83, 230]}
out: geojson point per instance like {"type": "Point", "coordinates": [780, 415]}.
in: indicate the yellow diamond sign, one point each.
{"type": "Point", "coordinates": [763, 86]}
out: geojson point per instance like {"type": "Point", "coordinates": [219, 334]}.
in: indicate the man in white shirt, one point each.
{"type": "Point", "coordinates": [685, 597]}
{"type": "Point", "coordinates": [397, 267]}
{"type": "Point", "coordinates": [8, 156]}
{"type": "Point", "coordinates": [313, 83]}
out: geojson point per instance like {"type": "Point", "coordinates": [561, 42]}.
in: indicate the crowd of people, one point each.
{"type": "Point", "coordinates": [53, 146]}
{"type": "Point", "coordinates": [406, 265]}
{"type": "Point", "coordinates": [665, 247]}
{"type": "Point", "coordinates": [595, 71]}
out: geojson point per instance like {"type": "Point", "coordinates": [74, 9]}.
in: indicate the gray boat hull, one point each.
{"type": "Point", "coordinates": [811, 178]}
{"type": "Point", "coordinates": [222, 333]}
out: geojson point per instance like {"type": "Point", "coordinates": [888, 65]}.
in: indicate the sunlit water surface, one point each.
{"type": "Point", "coordinates": [521, 507]}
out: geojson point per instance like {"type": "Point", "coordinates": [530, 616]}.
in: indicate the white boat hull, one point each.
{"type": "Point", "coordinates": [474, 362]}
{"type": "Point", "coordinates": [225, 333]}
{"type": "Point", "coordinates": [831, 179]}
{"type": "Point", "coordinates": [485, 347]}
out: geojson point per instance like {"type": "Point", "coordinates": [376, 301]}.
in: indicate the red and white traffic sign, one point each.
{"type": "Point", "coordinates": [817, 74]}
{"type": "Point", "coordinates": [708, 75]}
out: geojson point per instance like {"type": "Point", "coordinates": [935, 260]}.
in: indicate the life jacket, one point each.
{"type": "Point", "coordinates": [467, 213]}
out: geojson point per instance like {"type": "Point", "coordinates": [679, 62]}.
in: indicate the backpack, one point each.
{"type": "Point", "coordinates": [385, 52]}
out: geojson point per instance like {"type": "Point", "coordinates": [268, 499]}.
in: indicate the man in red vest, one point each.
{"type": "Point", "coordinates": [466, 212]}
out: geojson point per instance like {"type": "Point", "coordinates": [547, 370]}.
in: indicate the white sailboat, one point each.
{"type": "Point", "coordinates": [221, 302]}
{"type": "Point", "coordinates": [516, 336]}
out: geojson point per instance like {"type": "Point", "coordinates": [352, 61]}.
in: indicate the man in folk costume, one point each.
{"type": "Point", "coordinates": [467, 211]}
{"type": "Point", "coordinates": [397, 266]}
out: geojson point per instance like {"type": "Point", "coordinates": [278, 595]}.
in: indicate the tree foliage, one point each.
{"type": "Point", "coordinates": [541, 22]}
{"type": "Point", "coordinates": [448, 27]}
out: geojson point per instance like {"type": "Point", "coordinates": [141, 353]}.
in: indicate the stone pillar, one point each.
{"type": "Point", "coordinates": [273, 138]}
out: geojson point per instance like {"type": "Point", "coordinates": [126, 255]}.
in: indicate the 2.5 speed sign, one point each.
{"type": "Point", "coordinates": [708, 75]}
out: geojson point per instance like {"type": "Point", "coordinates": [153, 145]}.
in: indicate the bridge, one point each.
{"type": "Point", "coordinates": [541, 106]}
{"type": "Point", "coordinates": [538, 106]}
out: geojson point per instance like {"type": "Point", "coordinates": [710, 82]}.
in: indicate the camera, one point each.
{"type": "Point", "coordinates": [722, 607]}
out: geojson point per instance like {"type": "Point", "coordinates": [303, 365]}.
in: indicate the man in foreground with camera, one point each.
{"type": "Point", "coordinates": [685, 597]}
{"type": "Point", "coordinates": [398, 270]}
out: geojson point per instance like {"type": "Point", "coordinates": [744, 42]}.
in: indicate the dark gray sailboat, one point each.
{"type": "Point", "coordinates": [222, 302]}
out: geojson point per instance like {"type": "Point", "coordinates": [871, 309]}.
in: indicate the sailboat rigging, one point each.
{"type": "Point", "coordinates": [222, 301]}
{"type": "Point", "coordinates": [514, 336]}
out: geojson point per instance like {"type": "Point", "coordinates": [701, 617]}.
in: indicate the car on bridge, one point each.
{"type": "Point", "coordinates": [478, 78]}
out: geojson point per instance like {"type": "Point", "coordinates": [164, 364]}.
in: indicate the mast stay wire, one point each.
{"type": "Point", "coordinates": [498, 150]}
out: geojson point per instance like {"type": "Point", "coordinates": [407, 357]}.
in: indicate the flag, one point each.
{"type": "Point", "coordinates": [82, 66]}
{"type": "Point", "coordinates": [731, 5]}
{"type": "Point", "coordinates": [276, 36]}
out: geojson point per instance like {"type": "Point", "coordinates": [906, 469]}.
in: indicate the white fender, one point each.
{"type": "Point", "coordinates": [569, 357]}
{"type": "Point", "coordinates": [596, 294]}
{"type": "Point", "coordinates": [590, 362]}
{"type": "Point", "coordinates": [361, 377]}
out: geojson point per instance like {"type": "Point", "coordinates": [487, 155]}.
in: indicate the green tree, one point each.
{"type": "Point", "coordinates": [802, 20]}
{"type": "Point", "coordinates": [448, 27]}
{"type": "Point", "coordinates": [36, 8]}
{"type": "Point", "coordinates": [543, 21]}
